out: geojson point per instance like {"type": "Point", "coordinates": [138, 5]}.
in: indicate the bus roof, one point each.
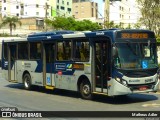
{"type": "Point", "coordinates": [57, 35]}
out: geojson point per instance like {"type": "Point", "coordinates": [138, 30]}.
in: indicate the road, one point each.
{"type": "Point", "coordinates": [39, 99]}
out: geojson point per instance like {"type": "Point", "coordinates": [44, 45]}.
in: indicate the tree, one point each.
{"type": "Point", "coordinates": [150, 11]}
{"type": "Point", "coordinates": [69, 23]}
{"type": "Point", "coordinates": [12, 22]}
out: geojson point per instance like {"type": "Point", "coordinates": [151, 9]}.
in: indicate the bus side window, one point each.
{"type": "Point", "coordinates": [81, 51]}
{"type": "Point", "coordinates": [5, 51]}
{"type": "Point", "coordinates": [60, 54]}
{"type": "Point", "coordinates": [35, 50]}
{"type": "Point", "coordinates": [23, 50]}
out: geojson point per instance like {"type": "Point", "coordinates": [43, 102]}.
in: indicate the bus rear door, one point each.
{"type": "Point", "coordinates": [48, 65]}
{"type": "Point", "coordinates": [102, 65]}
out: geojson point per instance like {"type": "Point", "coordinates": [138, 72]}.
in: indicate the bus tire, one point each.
{"type": "Point", "coordinates": [27, 81]}
{"type": "Point", "coordinates": [85, 90]}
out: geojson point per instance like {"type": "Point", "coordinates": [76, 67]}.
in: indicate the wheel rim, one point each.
{"type": "Point", "coordinates": [26, 82]}
{"type": "Point", "coordinates": [86, 89]}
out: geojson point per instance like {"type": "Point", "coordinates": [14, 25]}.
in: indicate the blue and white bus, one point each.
{"type": "Point", "coordinates": [110, 62]}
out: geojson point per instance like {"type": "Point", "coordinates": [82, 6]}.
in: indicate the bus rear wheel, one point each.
{"type": "Point", "coordinates": [27, 81]}
{"type": "Point", "coordinates": [85, 90]}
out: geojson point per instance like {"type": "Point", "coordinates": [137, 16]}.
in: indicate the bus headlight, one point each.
{"type": "Point", "coordinates": [124, 82]}
{"type": "Point", "coordinates": [118, 79]}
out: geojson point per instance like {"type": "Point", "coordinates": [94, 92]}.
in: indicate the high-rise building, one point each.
{"type": "Point", "coordinates": [85, 9]}
{"type": "Point", "coordinates": [123, 12]}
{"type": "Point", "coordinates": [64, 8]}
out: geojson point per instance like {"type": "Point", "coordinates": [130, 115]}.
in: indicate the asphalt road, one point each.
{"type": "Point", "coordinates": [39, 99]}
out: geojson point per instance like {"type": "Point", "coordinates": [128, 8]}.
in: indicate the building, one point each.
{"type": "Point", "coordinates": [85, 9]}
{"type": "Point", "coordinates": [64, 8]}
{"type": "Point", "coordinates": [122, 12]}
{"type": "Point", "coordinates": [36, 8]}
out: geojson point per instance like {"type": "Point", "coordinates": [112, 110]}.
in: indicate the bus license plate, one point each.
{"type": "Point", "coordinates": [143, 88]}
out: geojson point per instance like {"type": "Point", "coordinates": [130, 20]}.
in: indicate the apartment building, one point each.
{"type": "Point", "coordinates": [84, 9]}
{"type": "Point", "coordinates": [64, 8]}
{"type": "Point", "coordinates": [123, 12]}
{"type": "Point", "coordinates": [36, 8]}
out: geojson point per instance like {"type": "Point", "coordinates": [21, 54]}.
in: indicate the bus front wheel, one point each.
{"type": "Point", "coordinates": [27, 81]}
{"type": "Point", "coordinates": [85, 90]}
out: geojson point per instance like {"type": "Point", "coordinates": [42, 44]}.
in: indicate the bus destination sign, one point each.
{"type": "Point", "coordinates": [134, 35]}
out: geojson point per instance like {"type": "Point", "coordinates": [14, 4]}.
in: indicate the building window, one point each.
{"type": "Point", "coordinates": [62, 8]}
{"type": "Point", "coordinates": [4, 8]}
{"type": "Point", "coordinates": [17, 7]}
{"type": "Point", "coordinates": [17, 14]}
{"type": "Point", "coordinates": [67, 3]}
{"type": "Point", "coordinates": [4, 1]}
{"type": "Point", "coordinates": [57, 6]}
{"type": "Point", "coordinates": [37, 6]}
{"type": "Point", "coordinates": [122, 8]}
{"type": "Point", "coordinates": [76, 12]}
{"type": "Point", "coordinates": [62, 2]}
{"type": "Point", "coordinates": [69, 9]}
{"type": "Point", "coordinates": [37, 13]}
{"type": "Point", "coordinates": [26, 13]}
{"type": "Point", "coordinates": [57, 1]}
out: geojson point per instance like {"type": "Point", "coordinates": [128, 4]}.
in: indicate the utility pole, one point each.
{"type": "Point", "coordinates": [106, 16]}
{"type": "Point", "coordinates": [46, 7]}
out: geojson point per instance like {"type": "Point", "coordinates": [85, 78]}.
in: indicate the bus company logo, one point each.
{"type": "Point", "coordinates": [69, 67]}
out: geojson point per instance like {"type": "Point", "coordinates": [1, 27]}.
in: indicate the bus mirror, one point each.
{"type": "Point", "coordinates": [114, 51]}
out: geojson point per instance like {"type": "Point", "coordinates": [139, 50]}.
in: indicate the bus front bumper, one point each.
{"type": "Point", "coordinates": [120, 89]}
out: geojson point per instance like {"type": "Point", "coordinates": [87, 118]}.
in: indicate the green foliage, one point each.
{"type": "Point", "coordinates": [150, 11]}
{"type": "Point", "coordinates": [63, 23]}
{"type": "Point", "coordinates": [158, 39]}
{"type": "Point", "coordinates": [11, 21]}
{"type": "Point", "coordinates": [7, 35]}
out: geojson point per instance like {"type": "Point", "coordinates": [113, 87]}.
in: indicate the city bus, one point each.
{"type": "Point", "coordinates": [108, 62]}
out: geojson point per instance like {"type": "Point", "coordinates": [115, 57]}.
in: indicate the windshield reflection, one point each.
{"type": "Point", "coordinates": [136, 55]}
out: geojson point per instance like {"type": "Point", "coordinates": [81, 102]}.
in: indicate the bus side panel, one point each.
{"type": "Point", "coordinates": [31, 67]}
{"type": "Point", "coordinates": [68, 78]}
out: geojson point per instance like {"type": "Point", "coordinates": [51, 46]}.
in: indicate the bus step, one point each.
{"type": "Point", "coordinates": [49, 87]}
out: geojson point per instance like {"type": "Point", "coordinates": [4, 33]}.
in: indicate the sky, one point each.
{"type": "Point", "coordinates": [100, 8]}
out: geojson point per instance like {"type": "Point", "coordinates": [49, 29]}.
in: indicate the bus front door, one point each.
{"type": "Point", "coordinates": [48, 65]}
{"type": "Point", "coordinates": [101, 66]}
{"type": "Point", "coordinates": [12, 62]}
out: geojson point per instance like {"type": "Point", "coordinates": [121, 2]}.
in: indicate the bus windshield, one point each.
{"type": "Point", "coordinates": [136, 55]}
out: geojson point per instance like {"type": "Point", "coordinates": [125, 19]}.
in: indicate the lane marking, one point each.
{"type": "Point", "coordinates": [151, 105]}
